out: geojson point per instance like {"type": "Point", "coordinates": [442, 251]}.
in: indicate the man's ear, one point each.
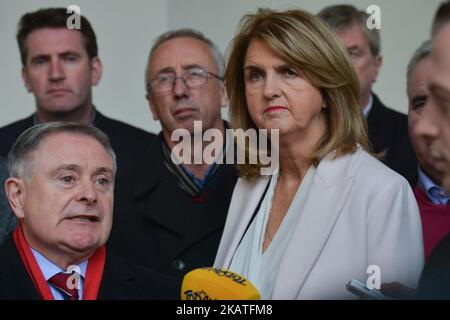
{"type": "Point", "coordinates": [96, 70]}
{"type": "Point", "coordinates": [25, 80]}
{"type": "Point", "coordinates": [378, 61]}
{"type": "Point", "coordinates": [15, 192]}
{"type": "Point", "coordinates": [223, 95]}
{"type": "Point", "coordinates": [151, 103]}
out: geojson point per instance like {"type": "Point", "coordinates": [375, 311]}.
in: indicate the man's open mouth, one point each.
{"type": "Point", "coordinates": [84, 218]}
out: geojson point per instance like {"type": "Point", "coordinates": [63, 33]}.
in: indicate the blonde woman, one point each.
{"type": "Point", "coordinates": [331, 210]}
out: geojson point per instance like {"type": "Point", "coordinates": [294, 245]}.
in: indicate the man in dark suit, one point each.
{"type": "Point", "coordinates": [431, 82]}
{"type": "Point", "coordinates": [436, 125]}
{"type": "Point", "coordinates": [60, 66]}
{"type": "Point", "coordinates": [433, 200]}
{"type": "Point", "coordinates": [435, 128]}
{"type": "Point", "coordinates": [388, 129]}
{"type": "Point", "coordinates": [61, 188]}
{"type": "Point", "coordinates": [178, 210]}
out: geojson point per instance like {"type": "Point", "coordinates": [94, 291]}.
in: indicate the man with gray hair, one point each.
{"type": "Point", "coordinates": [388, 129]}
{"type": "Point", "coordinates": [436, 124]}
{"type": "Point", "coordinates": [178, 211]}
{"type": "Point", "coordinates": [61, 188]}
{"type": "Point", "coordinates": [434, 127]}
{"type": "Point", "coordinates": [432, 199]}
{"type": "Point", "coordinates": [435, 280]}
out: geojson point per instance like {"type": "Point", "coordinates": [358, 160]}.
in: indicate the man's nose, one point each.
{"type": "Point", "coordinates": [180, 89]}
{"type": "Point", "coordinates": [56, 70]}
{"type": "Point", "coordinates": [87, 192]}
{"type": "Point", "coordinates": [427, 126]}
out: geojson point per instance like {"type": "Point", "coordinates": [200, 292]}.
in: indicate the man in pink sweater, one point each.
{"type": "Point", "coordinates": [432, 199]}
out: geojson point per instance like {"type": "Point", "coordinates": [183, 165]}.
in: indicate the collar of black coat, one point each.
{"type": "Point", "coordinates": [157, 195]}
{"type": "Point", "coordinates": [378, 110]}
{"type": "Point", "coordinates": [97, 119]}
{"type": "Point", "coordinates": [154, 190]}
{"type": "Point", "coordinates": [154, 167]}
{"type": "Point", "coordinates": [15, 282]}
{"type": "Point", "coordinates": [36, 120]}
{"type": "Point", "coordinates": [184, 180]}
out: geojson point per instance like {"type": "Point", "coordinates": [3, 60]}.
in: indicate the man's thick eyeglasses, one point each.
{"type": "Point", "coordinates": [193, 78]}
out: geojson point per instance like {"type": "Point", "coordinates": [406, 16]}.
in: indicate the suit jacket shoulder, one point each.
{"type": "Point", "coordinates": [388, 131]}
{"type": "Point", "coordinates": [113, 126]}
{"type": "Point", "coordinates": [118, 132]}
{"type": "Point", "coordinates": [121, 279]}
{"type": "Point", "coordinates": [10, 132]}
{"type": "Point", "coordinates": [435, 279]}
{"type": "Point", "coordinates": [124, 138]}
{"type": "Point", "coordinates": [15, 283]}
{"type": "Point", "coordinates": [7, 220]}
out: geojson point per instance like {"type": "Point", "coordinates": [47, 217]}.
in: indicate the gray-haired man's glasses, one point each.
{"type": "Point", "coordinates": [192, 78]}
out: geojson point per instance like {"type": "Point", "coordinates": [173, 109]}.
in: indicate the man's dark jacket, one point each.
{"type": "Point", "coordinates": [7, 218]}
{"type": "Point", "coordinates": [388, 130]}
{"type": "Point", "coordinates": [166, 228]}
{"type": "Point", "coordinates": [121, 279]}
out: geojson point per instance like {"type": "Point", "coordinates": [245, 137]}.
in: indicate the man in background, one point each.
{"type": "Point", "coordinates": [7, 220]}
{"type": "Point", "coordinates": [432, 199]}
{"type": "Point", "coordinates": [434, 128]}
{"type": "Point", "coordinates": [178, 210]}
{"type": "Point", "coordinates": [388, 129]}
{"type": "Point", "coordinates": [60, 67]}
{"type": "Point", "coordinates": [435, 279]}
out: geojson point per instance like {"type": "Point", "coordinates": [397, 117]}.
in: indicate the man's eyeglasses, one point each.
{"type": "Point", "coordinates": [192, 78]}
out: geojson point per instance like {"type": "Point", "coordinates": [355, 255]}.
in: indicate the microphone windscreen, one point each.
{"type": "Point", "coordinates": [217, 284]}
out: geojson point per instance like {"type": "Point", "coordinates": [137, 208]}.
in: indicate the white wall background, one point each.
{"type": "Point", "coordinates": [126, 29]}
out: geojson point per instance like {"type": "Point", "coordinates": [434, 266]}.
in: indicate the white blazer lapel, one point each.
{"type": "Point", "coordinates": [245, 199]}
{"type": "Point", "coordinates": [326, 199]}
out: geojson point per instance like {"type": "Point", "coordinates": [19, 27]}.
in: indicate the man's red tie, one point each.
{"type": "Point", "coordinates": [60, 281]}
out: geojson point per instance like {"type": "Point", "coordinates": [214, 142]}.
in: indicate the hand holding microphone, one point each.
{"type": "Point", "coordinates": [217, 284]}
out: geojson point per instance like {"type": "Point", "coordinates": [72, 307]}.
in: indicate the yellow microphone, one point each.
{"type": "Point", "coordinates": [217, 284]}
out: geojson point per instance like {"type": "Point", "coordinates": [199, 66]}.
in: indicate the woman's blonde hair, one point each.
{"type": "Point", "coordinates": [307, 44]}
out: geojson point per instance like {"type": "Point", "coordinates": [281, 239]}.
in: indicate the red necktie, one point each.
{"type": "Point", "coordinates": [62, 282]}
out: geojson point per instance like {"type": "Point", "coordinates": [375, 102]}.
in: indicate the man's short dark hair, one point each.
{"type": "Point", "coordinates": [441, 18]}
{"type": "Point", "coordinates": [342, 16]}
{"type": "Point", "coordinates": [53, 18]}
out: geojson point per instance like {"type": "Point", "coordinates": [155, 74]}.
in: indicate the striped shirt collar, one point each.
{"type": "Point", "coordinates": [185, 179]}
